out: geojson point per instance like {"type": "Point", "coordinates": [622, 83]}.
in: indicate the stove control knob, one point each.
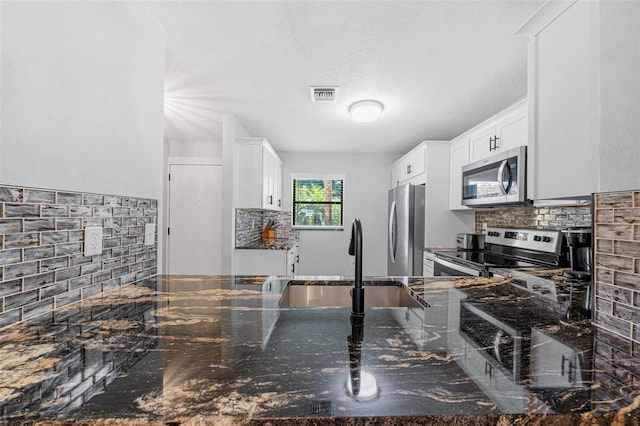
{"type": "Point", "coordinates": [546, 239]}
{"type": "Point", "coordinates": [537, 238]}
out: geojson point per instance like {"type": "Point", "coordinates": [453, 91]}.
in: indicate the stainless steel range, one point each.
{"type": "Point", "coordinates": [506, 248]}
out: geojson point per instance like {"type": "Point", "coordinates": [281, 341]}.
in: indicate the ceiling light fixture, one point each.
{"type": "Point", "coordinates": [366, 111]}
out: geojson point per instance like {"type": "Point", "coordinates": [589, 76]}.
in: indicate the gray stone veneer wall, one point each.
{"type": "Point", "coordinates": [533, 217]}
{"type": "Point", "coordinates": [42, 262]}
{"type": "Point", "coordinates": [251, 222]}
{"type": "Point", "coordinates": [617, 295]}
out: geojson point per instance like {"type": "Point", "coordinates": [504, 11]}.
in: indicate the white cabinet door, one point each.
{"type": "Point", "coordinates": [410, 168]}
{"type": "Point", "coordinates": [427, 264]}
{"type": "Point", "coordinates": [277, 185]}
{"type": "Point", "coordinates": [261, 262]}
{"type": "Point", "coordinates": [267, 262]}
{"type": "Point", "coordinates": [511, 131]}
{"type": "Point", "coordinates": [459, 157]}
{"type": "Point", "coordinates": [481, 143]}
{"type": "Point", "coordinates": [553, 363]}
{"type": "Point", "coordinates": [293, 259]}
{"type": "Point", "coordinates": [507, 130]}
{"type": "Point", "coordinates": [396, 174]}
{"type": "Point", "coordinates": [267, 179]}
{"type": "Point", "coordinates": [259, 175]}
{"type": "Point", "coordinates": [564, 91]}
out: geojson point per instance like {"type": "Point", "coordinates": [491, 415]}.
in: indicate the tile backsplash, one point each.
{"type": "Point", "coordinates": [533, 217]}
{"type": "Point", "coordinates": [251, 222]}
{"type": "Point", "coordinates": [617, 293]}
{"type": "Point", "coordinates": [42, 262]}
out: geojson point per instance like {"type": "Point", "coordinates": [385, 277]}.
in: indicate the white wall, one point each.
{"type": "Point", "coordinates": [367, 179]}
{"type": "Point", "coordinates": [619, 95]}
{"type": "Point", "coordinates": [81, 93]}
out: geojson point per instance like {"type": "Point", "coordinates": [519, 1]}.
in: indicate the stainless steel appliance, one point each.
{"type": "Point", "coordinates": [500, 179]}
{"type": "Point", "coordinates": [579, 242]}
{"type": "Point", "coordinates": [406, 230]}
{"type": "Point", "coordinates": [470, 241]}
{"type": "Point", "coordinates": [505, 248]}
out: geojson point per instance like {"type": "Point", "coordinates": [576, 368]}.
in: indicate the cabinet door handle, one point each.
{"type": "Point", "coordinates": [293, 268]}
{"type": "Point", "coordinates": [570, 371]}
{"type": "Point", "coordinates": [408, 169]}
{"type": "Point", "coordinates": [271, 199]}
{"type": "Point", "coordinates": [298, 258]}
{"type": "Point", "coordinates": [487, 369]}
{"type": "Point", "coordinates": [492, 145]}
{"type": "Point", "coordinates": [279, 202]}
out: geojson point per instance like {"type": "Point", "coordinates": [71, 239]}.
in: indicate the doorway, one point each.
{"type": "Point", "coordinates": [195, 219]}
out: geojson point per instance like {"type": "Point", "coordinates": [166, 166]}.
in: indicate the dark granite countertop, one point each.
{"type": "Point", "coordinates": [222, 350]}
{"type": "Point", "coordinates": [277, 243]}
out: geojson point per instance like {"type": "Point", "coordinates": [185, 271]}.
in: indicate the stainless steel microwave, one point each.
{"type": "Point", "coordinates": [500, 179]}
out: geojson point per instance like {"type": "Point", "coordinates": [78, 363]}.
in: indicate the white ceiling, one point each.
{"type": "Point", "coordinates": [439, 67]}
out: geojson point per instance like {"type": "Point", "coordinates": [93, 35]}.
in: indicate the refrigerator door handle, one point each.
{"type": "Point", "coordinates": [392, 232]}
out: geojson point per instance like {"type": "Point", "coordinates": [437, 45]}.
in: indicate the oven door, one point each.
{"type": "Point", "coordinates": [496, 180]}
{"type": "Point", "coordinates": [442, 267]}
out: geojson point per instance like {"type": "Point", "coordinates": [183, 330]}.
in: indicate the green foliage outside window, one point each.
{"type": "Point", "coordinates": [317, 202]}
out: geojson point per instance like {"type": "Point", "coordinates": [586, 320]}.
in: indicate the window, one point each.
{"type": "Point", "coordinates": [317, 202]}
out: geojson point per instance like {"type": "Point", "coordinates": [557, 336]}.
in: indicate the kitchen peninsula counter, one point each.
{"type": "Point", "coordinates": [221, 350]}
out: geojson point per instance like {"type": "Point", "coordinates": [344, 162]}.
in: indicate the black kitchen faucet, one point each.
{"type": "Point", "coordinates": [355, 249]}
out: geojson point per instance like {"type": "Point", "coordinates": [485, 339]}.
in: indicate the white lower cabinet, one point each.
{"type": "Point", "coordinates": [554, 364]}
{"type": "Point", "coordinates": [508, 395]}
{"type": "Point", "coordinates": [427, 264]}
{"type": "Point", "coordinates": [267, 262]}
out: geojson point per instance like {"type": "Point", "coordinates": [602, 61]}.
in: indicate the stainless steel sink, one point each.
{"type": "Point", "coordinates": [376, 296]}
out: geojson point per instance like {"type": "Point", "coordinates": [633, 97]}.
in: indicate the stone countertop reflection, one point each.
{"type": "Point", "coordinates": [221, 349]}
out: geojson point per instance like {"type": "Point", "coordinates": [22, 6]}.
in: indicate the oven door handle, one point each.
{"type": "Point", "coordinates": [501, 170]}
{"type": "Point", "coordinates": [470, 271]}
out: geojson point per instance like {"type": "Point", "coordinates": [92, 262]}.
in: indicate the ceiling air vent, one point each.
{"type": "Point", "coordinates": [323, 94]}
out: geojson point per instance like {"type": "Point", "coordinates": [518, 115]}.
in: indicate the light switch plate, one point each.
{"type": "Point", "coordinates": [149, 234]}
{"type": "Point", "coordinates": [92, 240]}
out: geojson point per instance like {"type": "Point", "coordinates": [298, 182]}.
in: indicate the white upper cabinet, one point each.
{"type": "Point", "coordinates": [501, 133]}
{"type": "Point", "coordinates": [410, 168]}
{"type": "Point", "coordinates": [563, 73]}
{"type": "Point", "coordinates": [258, 175]}
{"type": "Point", "coordinates": [458, 157]}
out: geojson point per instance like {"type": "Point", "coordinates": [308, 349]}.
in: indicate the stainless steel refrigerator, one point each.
{"type": "Point", "coordinates": [406, 230]}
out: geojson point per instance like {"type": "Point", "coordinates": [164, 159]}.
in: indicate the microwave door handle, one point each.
{"type": "Point", "coordinates": [501, 170]}
{"type": "Point", "coordinates": [392, 232]}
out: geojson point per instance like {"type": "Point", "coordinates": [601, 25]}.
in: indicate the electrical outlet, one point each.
{"type": "Point", "coordinates": [92, 240]}
{"type": "Point", "coordinates": [149, 234]}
